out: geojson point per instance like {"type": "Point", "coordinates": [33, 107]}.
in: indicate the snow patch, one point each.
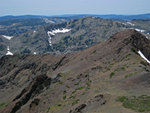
{"type": "Point", "coordinates": [8, 48]}
{"type": "Point", "coordinates": [7, 37]}
{"type": "Point", "coordinates": [141, 54]}
{"type": "Point", "coordinates": [124, 23]}
{"type": "Point", "coordinates": [130, 23]}
{"type": "Point", "coordinates": [140, 30]}
{"type": "Point", "coordinates": [60, 31]}
{"type": "Point", "coordinates": [50, 33]}
{"type": "Point", "coordinates": [8, 51]}
{"type": "Point", "coordinates": [54, 32]}
{"type": "Point", "coordinates": [48, 21]}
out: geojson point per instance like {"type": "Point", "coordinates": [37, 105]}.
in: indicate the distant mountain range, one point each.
{"type": "Point", "coordinates": [75, 16]}
{"type": "Point", "coordinates": [50, 38]}
{"type": "Point", "coordinates": [61, 35]}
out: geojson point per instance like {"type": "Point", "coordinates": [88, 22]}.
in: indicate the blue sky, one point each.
{"type": "Point", "coordinates": [59, 7]}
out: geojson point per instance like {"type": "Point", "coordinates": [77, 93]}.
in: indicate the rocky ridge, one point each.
{"type": "Point", "coordinates": [86, 81]}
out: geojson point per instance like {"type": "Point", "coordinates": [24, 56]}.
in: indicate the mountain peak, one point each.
{"type": "Point", "coordinates": [128, 33]}
{"type": "Point", "coordinates": [133, 38]}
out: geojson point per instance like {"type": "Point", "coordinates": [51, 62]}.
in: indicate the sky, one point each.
{"type": "Point", "coordinates": [60, 7]}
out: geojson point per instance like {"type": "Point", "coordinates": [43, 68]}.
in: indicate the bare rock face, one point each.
{"type": "Point", "coordinates": [38, 84]}
{"type": "Point", "coordinates": [36, 87]}
{"type": "Point", "coordinates": [97, 101]}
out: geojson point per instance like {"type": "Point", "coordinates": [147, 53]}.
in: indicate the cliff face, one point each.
{"type": "Point", "coordinates": [86, 81]}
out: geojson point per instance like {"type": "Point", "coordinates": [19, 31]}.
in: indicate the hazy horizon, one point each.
{"type": "Point", "coordinates": [67, 7]}
{"type": "Point", "coordinates": [71, 14]}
